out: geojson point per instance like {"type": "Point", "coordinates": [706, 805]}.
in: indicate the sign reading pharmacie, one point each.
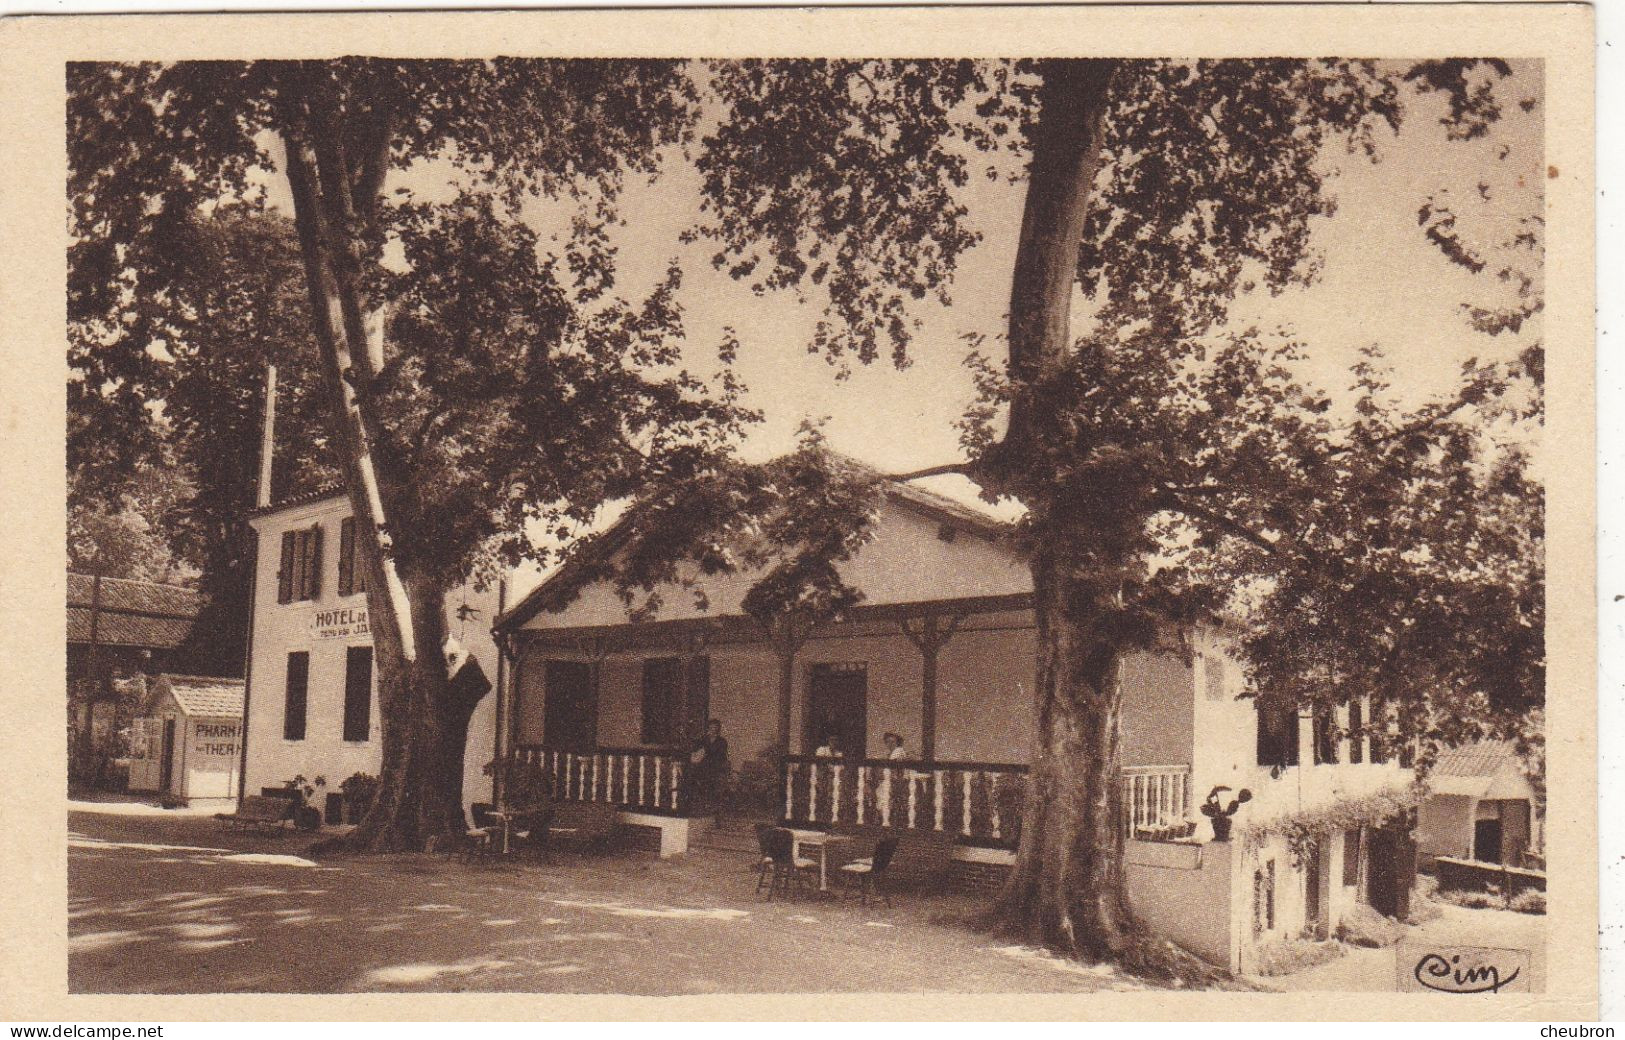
{"type": "Point", "coordinates": [339, 623]}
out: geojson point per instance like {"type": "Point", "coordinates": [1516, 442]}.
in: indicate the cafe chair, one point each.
{"type": "Point", "coordinates": [868, 874]}
{"type": "Point", "coordinates": [480, 839]}
{"type": "Point", "coordinates": [786, 869]}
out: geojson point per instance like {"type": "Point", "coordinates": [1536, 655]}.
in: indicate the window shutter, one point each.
{"type": "Point", "coordinates": [284, 577]}
{"type": "Point", "coordinates": [1213, 673]}
{"type": "Point", "coordinates": [358, 693]}
{"type": "Point", "coordinates": [358, 561]}
{"type": "Point", "coordinates": [1356, 733]}
{"type": "Point", "coordinates": [347, 556]}
{"type": "Point", "coordinates": [315, 571]}
{"type": "Point", "coordinates": [293, 709]}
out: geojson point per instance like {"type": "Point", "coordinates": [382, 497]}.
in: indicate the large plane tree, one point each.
{"type": "Point", "coordinates": [1156, 192]}
{"type": "Point", "coordinates": [479, 386]}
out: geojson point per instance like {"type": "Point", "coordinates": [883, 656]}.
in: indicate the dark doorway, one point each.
{"type": "Point", "coordinates": [1391, 869]}
{"type": "Point", "coordinates": [1487, 841]}
{"type": "Point", "coordinates": [838, 703]}
{"type": "Point", "coordinates": [570, 713]}
{"type": "Point", "coordinates": [166, 766]}
{"type": "Point", "coordinates": [1313, 867]}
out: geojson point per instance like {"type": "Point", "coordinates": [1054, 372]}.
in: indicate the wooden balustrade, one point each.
{"type": "Point", "coordinates": [645, 779]}
{"type": "Point", "coordinates": [1155, 798]}
{"type": "Point", "coordinates": [979, 802]}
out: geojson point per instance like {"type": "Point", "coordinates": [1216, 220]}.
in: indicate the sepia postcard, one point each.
{"type": "Point", "coordinates": [1064, 512]}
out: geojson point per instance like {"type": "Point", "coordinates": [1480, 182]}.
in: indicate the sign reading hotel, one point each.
{"type": "Point", "coordinates": [339, 623]}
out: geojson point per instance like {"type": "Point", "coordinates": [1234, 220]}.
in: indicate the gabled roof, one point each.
{"type": "Point", "coordinates": [1487, 769]}
{"type": "Point", "coordinates": [131, 613]}
{"type": "Point", "coordinates": [204, 695]}
{"type": "Point", "coordinates": [318, 495]}
{"type": "Point", "coordinates": [560, 586]}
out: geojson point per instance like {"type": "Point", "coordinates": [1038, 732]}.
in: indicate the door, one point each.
{"type": "Point", "coordinates": [1487, 841]}
{"type": "Point", "coordinates": [1313, 868]}
{"type": "Point", "coordinates": [838, 704]}
{"type": "Point", "coordinates": [166, 768]}
{"type": "Point", "coordinates": [570, 716]}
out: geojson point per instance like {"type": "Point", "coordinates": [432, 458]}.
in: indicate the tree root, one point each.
{"type": "Point", "coordinates": [1137, 952]}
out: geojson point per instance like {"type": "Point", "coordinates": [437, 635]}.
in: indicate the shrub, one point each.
{"type": "Point", "coordinates": [358, 793]}
{"type": "Point", "coordinates": [1287, 956]}
{"type": "Point", "coordinates": [1529, 901]}
{"type": "Point", "coordinates": [1363, 926]}
{"type": "Point", "coordinates": [1490, 898]}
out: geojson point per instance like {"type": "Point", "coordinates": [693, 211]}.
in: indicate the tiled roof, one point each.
{"type": "Point", "coordinates": [1485, 758]}
{"type": "Point", "coordinates": [328, 491]}
{"type": "Point", "coordinates": [131, 613]}
{"type": "Point", "coordinates": [206, 695]}
{"type": "Point", "coordinates": [566, 579]}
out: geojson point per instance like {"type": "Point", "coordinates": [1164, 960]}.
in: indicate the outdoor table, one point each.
{"type": "Point", "coordinates": [506, 820]}
{"type": "Point", "coordinates": [820, 840]}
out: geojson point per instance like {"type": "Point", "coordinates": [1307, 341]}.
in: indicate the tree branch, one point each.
{"type": "Point", "coordinates": [1228, 525]}
{"type": "Point", "coordinates": [964, 469]}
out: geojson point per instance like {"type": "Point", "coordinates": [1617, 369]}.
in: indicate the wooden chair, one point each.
{"type": "Point", "coordinates": [530, 832]}
{"type": "Point", "coordinates": [481, 839]}
{"type": "Point", "coordinates": [787, 869]}
{"type": "Point", "coordinates": [764, 866]}
{"type": "Point", "coordinates": [869, 873]}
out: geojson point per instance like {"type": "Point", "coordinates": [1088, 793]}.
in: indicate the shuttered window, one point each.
{"type": "Point", "coordinates": [358, 693]}
{"type": "Point", "coordinates": [1213, 674]}
{"type": "Point", "coordinates": [1356, 733]}
{"type": "Point", "coordinates": [284, 576]}
{"type": "Point", "coordinates": [1277, 735]}
{"type": "Point", "coordinates": [698, 709]}
{"type": "Point", "coordinates": [301, 575]}
{"type": "Point", "coordinates": [1325, 731]}
{"type": "Point", "coordinates": [662, 699]}
{"type": "Point", "coordinates": [352, 569]}
{"type": "Point", "coordinates": [298, 690]}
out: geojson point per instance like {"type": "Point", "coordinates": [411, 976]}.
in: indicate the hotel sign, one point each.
{"type": "Point", "coordinates": [339, 623]}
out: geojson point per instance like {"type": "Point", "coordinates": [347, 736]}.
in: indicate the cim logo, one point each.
{"type": "Point", "coordinates": [1462, 969]}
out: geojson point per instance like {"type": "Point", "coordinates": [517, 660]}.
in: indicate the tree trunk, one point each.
{"type": "Point", "coordinates": [1066, 891]}
{"type": "Point", "coordinates": [425, 731]}
{"type": "Point", "coordinates": [424, 724]}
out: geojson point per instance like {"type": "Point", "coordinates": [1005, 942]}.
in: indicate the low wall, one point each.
{"type": "Point", "coordinates": [1467, 875]}
{"type": "Point", "coordinates": [1183, 892]}
{"type": "Point", "coordinates": [666, 836]}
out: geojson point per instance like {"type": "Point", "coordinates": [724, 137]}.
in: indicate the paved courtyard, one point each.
{"type": "Point", "coordinates": [166, 903]}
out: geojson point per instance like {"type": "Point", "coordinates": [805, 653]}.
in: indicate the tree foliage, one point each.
{"type": "Point", "coordinates": [1160, 432]}
{"type": "Point", "coordinates": [474, 383]}
{"type": "Point", "coordinates": [1170, 464]}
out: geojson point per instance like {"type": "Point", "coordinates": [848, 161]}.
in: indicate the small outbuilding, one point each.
{"type": "Point", "coordinates": [1480, 806]}
{"type": "Point", "coordinates": [186, 744]}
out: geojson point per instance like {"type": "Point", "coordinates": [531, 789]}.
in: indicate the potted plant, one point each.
{"type": "Point", "coordinates": [1215, 810]}
{"type": "Point", "coordinates": [358, 793]}
{"type": "Point", "coordinates": [306, 816]}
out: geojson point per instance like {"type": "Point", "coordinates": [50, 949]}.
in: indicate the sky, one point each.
{"type": "Point", "coordinates": [1382, 283]}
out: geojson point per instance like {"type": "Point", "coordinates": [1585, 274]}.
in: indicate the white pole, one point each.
{"type": "Point", "coordinates": [267, 438]}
